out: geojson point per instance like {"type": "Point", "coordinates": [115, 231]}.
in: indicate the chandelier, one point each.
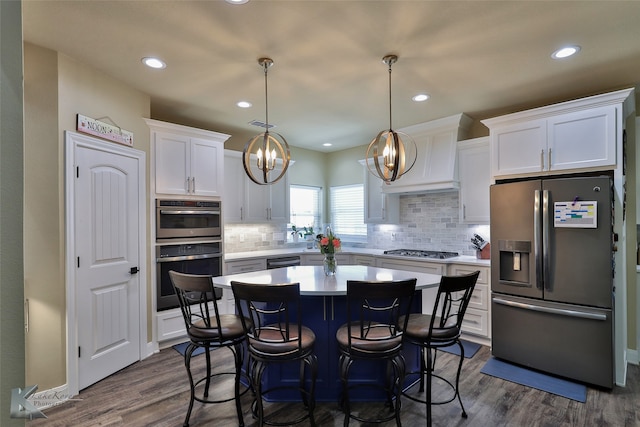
{"type": "Point", "coordinates": [388, 156]}
{"type": "Point", "coordinates": [263, 152]}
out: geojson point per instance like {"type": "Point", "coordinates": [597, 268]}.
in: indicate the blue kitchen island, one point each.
{"type": "Point", "coordinates": [324, 311]}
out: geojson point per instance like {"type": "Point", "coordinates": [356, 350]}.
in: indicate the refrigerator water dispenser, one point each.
{"type": "Point", "coordinates": [515, 260]}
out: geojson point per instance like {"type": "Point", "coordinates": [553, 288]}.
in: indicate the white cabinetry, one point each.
{"type": "Point", "coordinates": [379, 207]}
{"type": "Point", "coordinates": [246, 201]}
{"type": "Point", "coordinates": [318, 258]}
{"type": "Point", "coordinates": [579, 135]}
{"type": "Point", "coordinates": [436, 166]}
{"type": "Point", "coordinates": [228, 303]}
{"type": "Point", "coordinates": [186, 161]}
{"type": "Point", "coordinates": [367, 260]}
{"type": "Point", "coordinates": [477, 318]}
{"type": "Point", "coordinates": [428, 295]}
{"type": "Point", "coordinates": [475, 179]}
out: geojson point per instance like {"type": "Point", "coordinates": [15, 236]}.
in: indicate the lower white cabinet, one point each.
{"type": "Point", "coordinates": [478, 316]}
{"type": "Point", "coordinates": [236, 267]}
{"type": "Point", "coordinates": [170, 323]}
{"type": "Point", "coordinates": [317, 259]}
{"type": "Point", "coordinates": [367, 260]}
{"type": "Point", "coordinates": [428, 295]}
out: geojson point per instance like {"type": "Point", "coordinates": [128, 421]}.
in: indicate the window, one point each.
{"type": "Point", "coordinates": [347, 212]}
{"type": "Point", "coordinates": [305, 206]}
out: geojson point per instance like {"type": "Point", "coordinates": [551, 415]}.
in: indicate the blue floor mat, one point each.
{"type": "Point", "coordinates": [534, 379]}
{"type": "Point", "coordinates": [470, 349]}
{"type": "Point", "coordinates": [182, 348]}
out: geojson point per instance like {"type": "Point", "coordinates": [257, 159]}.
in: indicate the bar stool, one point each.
{"type": "Point", "coordinates": [373, 332]}
{"type": "Point", "coordinates": [441, 329]}
{"type": "Point", "coordinates": [197, 296]}
{"type": "Point", "coordinates": [271, 318]}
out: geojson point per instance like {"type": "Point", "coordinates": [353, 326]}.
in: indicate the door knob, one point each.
{"type": "Point", "coordinates": [134, 270]}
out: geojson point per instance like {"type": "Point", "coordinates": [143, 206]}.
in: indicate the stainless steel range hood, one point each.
{"type": "Point", "coordinates": [436, 167]}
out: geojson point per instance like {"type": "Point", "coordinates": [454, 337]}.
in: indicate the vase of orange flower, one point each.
{"type": "Point", "coordinates": [329, 244]}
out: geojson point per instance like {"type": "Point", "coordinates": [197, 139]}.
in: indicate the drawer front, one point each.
{"type": "Point", "coordinates": [476, 322]}
{"type": "Point", "coordinates": [459, 269]}
{"type": "Point", "coordinates": [421, 267]}
{"type": "Point", "coordinates": [479, 298]}
{"type": "Point", "coordinates": [364, 260]}
{"type": "Point", "coordinates": [235, 267]}
{"type": "Point", "coordinates": [170, 325]}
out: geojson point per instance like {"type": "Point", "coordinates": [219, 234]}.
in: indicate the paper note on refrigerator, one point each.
{"type": "Point", "coordinates": [576, 214]}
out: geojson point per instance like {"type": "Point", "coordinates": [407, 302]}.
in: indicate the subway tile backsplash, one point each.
{"type": "Point", "coordinates": [428, 221]}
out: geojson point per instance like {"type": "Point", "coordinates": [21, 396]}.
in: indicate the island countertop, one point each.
{"type": "Point", "coordinates": [314, 282]}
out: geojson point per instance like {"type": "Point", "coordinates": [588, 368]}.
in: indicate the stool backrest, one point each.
{"type": "Point", "coordinates": [374, 309]}
{"type": "Point", "coordinates": [454, 294]}
{"type": "Point", "coordinates": [270, 316]}
{"type": "Point", "coordinates": [196, 294]}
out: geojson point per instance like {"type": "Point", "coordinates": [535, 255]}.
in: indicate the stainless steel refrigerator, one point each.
{"type": "Point", "coordinates": [552, 276]}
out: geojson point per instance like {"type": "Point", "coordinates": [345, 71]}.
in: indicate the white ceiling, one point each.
{"type": "Point", "coordinates": [328, 84]}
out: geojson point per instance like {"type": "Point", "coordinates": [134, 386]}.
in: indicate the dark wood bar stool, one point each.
{"type": "Point", "coordinates": [373, 332]}
{"type": "Point", "coordinates": [441, 329]}
{"type": "Point", "coordinates": [197, 296]}
{"type": "Point", "coordinates": [271, 317]}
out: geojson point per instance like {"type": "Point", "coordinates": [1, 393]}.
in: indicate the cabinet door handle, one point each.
{"type": "Point", "coordinates": [193, 184]}
{"type": "Point", "coordinates": [464, 211]}
{"type": "Point", "coordinates": [241, 214]}
{"type": "Point", "coordinates": [549, 159]}
{"type": "Point", "coordinates": [541, 160]}
{"type": "Point", "coordinates": [188, 185]}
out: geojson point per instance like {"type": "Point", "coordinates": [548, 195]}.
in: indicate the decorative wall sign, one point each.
{"type": "Point", "coordinates": [111, 132]}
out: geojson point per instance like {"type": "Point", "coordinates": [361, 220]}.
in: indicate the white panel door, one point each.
{"type": "Point", "coordinates": [107, 289]}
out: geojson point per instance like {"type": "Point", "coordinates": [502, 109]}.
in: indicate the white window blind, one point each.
{"type": "Point", "coordinates": [305, 206]}
{"type": "Point", "coordinates": [347, 212]}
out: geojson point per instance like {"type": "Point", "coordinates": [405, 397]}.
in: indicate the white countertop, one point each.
{"type": "Point", "coordinates": [463, 259]}
{"type": "Point", "coordinates": [314, 282]}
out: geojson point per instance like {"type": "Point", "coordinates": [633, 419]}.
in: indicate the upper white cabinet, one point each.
{"type": "Point", "coordinates": [379, 207]}
{"type": "Point", "coordinates": [475, 178]}
{"type": "Point", "coordinates": [436, 166]}
{"type": "Point", "coordinates": [577, 135]}
{"type": "Point", "coordinates": [246, 201]}
{"type": "Point", "coordinates": [187, 161]}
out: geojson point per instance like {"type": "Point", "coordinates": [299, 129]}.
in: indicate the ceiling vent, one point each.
{"type": "Point", "coordinates": [261, 124]}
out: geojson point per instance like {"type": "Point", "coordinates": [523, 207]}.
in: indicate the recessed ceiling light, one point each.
{"type": "Point", "coordinates": [420, 97]}
{"type": "Point", "coordinates": [565, 52]}
{"type": "Point", "coordinates": [327, 144]}
{"type": "Point", "coordinates": [237, 1]}
{"type": "Point", "coordinates": [153, 62]}
{"type": "Point", "coordinates": [244, 104]}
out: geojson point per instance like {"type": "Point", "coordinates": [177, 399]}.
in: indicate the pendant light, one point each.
{"type": "Point", "coordinates": [266, 150]}
{"type": "Point", "coordinates": [388, 156]}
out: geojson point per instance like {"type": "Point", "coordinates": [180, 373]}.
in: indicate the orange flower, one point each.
{"type": "Point", "coordinates": [324, 241]}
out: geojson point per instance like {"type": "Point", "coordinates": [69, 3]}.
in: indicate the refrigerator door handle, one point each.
{"type": "Point", "coordinates": [550, 310]}
{"type": "Point", "coordinates": [546, 251]}
{"type": "Point", "coordinates": [537, 237]}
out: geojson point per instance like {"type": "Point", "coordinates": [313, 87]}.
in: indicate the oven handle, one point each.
{"type": "Point", "coordinates": [188, 257]}
{"type": "Point", "coordinates": [182, 212]}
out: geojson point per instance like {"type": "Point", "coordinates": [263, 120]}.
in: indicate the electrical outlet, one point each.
{"type": "Point", "coordinates": [264, 237]}
{"type": "Point", "coordinates": [241, 238]}
{"type": "Point", "coordinates": [393, 237]}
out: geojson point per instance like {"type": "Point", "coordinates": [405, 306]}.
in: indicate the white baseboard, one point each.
{"type": "Point", "coordinates": [632, 357]}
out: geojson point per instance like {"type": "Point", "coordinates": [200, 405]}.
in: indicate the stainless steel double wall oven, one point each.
{"type": "Point", "coordinates": [188, 240]}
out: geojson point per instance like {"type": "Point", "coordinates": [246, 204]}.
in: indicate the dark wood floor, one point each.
{"type": "Point", "coordinates": [154, 392]}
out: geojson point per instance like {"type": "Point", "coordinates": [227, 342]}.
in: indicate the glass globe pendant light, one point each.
{"type": "Point", "coordinates": [388, 156]}
{"type": "Point", "coordinates": [262, 153]}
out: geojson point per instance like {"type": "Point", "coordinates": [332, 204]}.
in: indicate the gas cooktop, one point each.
{"type": "Point", "coordinates": [422, 254]}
